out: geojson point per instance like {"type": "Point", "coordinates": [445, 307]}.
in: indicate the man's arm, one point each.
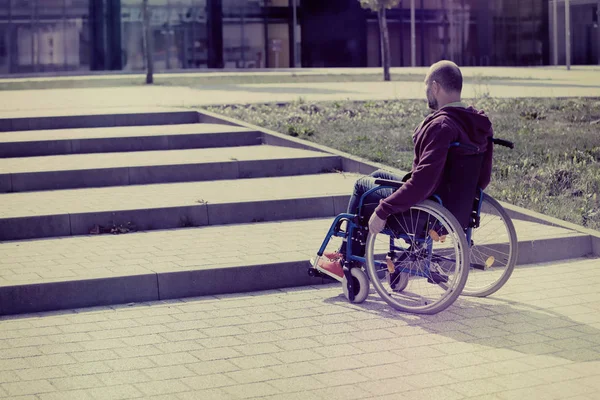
{"type": "Point", "coordinates": [426, 175]}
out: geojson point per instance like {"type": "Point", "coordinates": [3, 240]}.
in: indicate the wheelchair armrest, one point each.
{"type": "Point", "coordinates": [387, 182]}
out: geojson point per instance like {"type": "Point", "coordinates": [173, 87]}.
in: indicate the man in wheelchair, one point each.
{"type": "Point", "coordinates": [452, 158]}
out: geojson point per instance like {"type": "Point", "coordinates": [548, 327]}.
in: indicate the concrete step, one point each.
{"type": "Point", "coordinates": [71, 272]}
{"type": "Point", "coordinates": [124, 138]}
{"type": "Point", "coordinates": [172, 205]}
{"type": "Point", "coordinates": [94, 118]}
{"type": "Point", "coordinates": [137, 168]}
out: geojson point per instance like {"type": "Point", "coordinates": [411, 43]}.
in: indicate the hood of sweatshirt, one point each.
{"type": "Point", "coordinates": [474, 123]}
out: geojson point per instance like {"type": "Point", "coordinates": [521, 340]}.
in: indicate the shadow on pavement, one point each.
{"type": "Point", "coordinates": [495, 323]}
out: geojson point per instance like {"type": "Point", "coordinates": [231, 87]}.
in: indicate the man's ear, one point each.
{"type": "Point", "coordinates": [437, 88]}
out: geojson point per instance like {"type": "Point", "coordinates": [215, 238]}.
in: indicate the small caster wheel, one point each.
{"type": "Point", "coordinates": [360, 284]}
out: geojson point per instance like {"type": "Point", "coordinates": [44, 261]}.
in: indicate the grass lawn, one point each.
{"type": "Point", "coordinates": [554, 168]}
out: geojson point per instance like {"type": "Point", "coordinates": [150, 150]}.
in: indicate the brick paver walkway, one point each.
{"type": "Point", "coordinates": [539, 337]}
{"type": "Point", "coordinates": [515, 82]}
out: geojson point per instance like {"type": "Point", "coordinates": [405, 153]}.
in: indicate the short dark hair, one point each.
{"type": "Point", "coordinates": [447, 74]}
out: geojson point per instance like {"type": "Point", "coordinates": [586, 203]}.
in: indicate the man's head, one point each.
{"type": "Point", "coordinates": [443, 84]}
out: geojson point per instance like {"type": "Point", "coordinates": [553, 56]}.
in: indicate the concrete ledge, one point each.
{"type": "Point", "coordinates": [30, 149]}
{"type": "Point", "coordinates": [75, 294]}
{"type": "Point", "coordinates": [35, 227]}
{"type": "Point", "coordinates": [555, 249]}
{"type": "Point", "coordinates": [5, 183]}
{"type": "Point", "coordinates": [52, 180]}
{"type": "Point", "coordinates": [528, 215]}
{"type": "Point", "coordinates": [273, 210]}
{"type": "Point", "coordinates": [130, 143]}
{"type": "Point", "coordinates": [51, 296]}
{"type": "Point", "coordinates": [143, 219]}
{"type": "Point", "coordinates": [123, 176]}
{"type": "Point", "coordinates": [171, 217]}
{"type": "Point", "coordinates": [248, 278]}
{"type": "Point", "coordinates": [288, 166]}
{"type": "Point", "coordinates": [99, 120]}
{"type": "Point", "coordinates": [210, 140]}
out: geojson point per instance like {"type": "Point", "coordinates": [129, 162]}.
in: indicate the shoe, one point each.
{"type": "Point", "coordinates": [331, 268]}
{"type": "Point", "coordinates": [333, 255]}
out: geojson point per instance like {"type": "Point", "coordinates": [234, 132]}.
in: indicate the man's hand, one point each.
{"type": "Point", "coordinates": [376, 224]}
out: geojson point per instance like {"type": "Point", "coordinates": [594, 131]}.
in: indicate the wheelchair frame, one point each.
{"type": "Point", "coordinates": [358, 222]}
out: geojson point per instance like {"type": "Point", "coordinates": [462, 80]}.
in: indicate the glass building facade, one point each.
{"type": "Point", "coordinates": [73, 36]}
{"type": "Point", "coordinates": [469, 32]}
{"type": "Point", "coordinates": [44, 35]}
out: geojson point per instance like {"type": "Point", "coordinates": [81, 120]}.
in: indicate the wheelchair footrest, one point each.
{"type": "Point", "coordinates": [480, 267]}
{"type": "Point", "coordinates": [315, 273]}
{"type": "Point", "coordinates": [436, 277]}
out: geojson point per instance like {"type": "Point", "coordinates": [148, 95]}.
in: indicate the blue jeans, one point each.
{"type": "Point", "coordinates": [362, 186]}
{"type": "Point", "coordinates": [366, 183]}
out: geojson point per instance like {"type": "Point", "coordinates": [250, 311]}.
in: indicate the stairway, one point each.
{"type": "Point", "coordinates": [140, 206]}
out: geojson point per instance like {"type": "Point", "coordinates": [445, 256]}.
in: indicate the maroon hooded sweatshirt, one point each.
{"type": "Point", "coordinates": [432, 141]}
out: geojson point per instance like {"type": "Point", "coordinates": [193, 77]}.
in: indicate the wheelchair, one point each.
{"type": "Point", "coordinates": [460, 241]}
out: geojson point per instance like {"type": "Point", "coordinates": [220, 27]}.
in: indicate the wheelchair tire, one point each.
{"type": "Point", "coordinates": [432, 252]}
{"type": "Point", "coordinates": [361, 285]}
{"type": "Point", "coordinates": [493, 252]}
{"type": "Point", "coordinates": [400, 282]}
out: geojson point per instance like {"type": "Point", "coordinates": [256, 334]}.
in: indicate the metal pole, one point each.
{"type": "Point", "coordinates": [568, 32]}
{"type": "Point", "coordinates": [9, 53]}
{"type": "Point", "coordinates": [64, 43]}
{"type": "Point", "coordinates": [243, 35]}
{"type": "Point", "coordinates": [413, 35]}
{"type": "Point", "coordinates": [422, 34]}
{"type": "Point", "coordinates": [294, 22]}
{"type": "Point", "coordinates": [555, 30]}
{"type": "Point", "coordinates": [598, 14]}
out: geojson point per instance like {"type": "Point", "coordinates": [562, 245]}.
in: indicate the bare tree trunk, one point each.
{"type": "Point", "coordinates": [148, 47]}
{"type": "Point", "coordinates": [385, 42]}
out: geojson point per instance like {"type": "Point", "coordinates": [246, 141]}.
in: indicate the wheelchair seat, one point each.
{"type": "Point", "coordinates": [458, 187]}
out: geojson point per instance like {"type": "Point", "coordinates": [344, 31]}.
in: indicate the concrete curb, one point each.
{"type": "Point", "coordinates": [173, 217]}
{"type": "Point", "coordinates": [132, 143]}
{"type": "Point", "coordinates": [153, 174]}
{"type": "Point", "coordinates": [32, 298]}
{"type": "Point", "coordinates": [98, 120]}
{"type": "Point", "coordinates": [528, 215]}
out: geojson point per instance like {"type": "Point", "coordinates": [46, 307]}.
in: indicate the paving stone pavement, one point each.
{"type": "Point", "coordinates": [515, 82]}
{"type": "Point", "coordinates": [539, 337]}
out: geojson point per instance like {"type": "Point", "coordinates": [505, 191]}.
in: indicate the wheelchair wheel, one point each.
{"type": "Point", "coordinates": [494, 249]}
{"type": "Point", "coordinates": [399, 281]}
{"type": "Point", "coordinates": [360, 284]}
{"type": "Point", "coordinates": [428, 250]}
